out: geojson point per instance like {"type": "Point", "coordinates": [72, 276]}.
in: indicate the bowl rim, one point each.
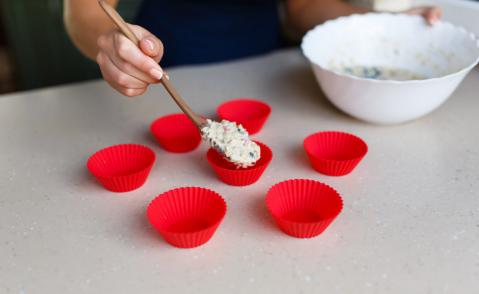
{"type": "Point", "coordinates": [337, 73]}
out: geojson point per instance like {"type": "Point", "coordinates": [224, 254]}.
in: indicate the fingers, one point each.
{"type": "Point", "coordinates": [126, 66]}
{"type": "Point", "coordinates": [130, 69]}
{"type": "Point", "coordinates": [106, 45]}
{"type": "Point", "coordinates": [130, 53]}
{"type": "Point", "coordinates": [149, 44]}
{"type": "Point", "coordinates": [119, 80]}
{"type": "Point", "coordinates": [152, 47]}
{"type": "Point", "coordinates": [432, 14]}
{"type": "Point", "coordinates": [131, 92]}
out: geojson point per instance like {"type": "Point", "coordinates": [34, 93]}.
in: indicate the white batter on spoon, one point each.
{"type": "Point", "coordinates": [233, 141]}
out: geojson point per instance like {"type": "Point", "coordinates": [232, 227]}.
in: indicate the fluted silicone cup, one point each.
{"type": "Point", "coordinates": [122, 168]}
{"type": "Point", "coordinates": [250, 113]}
{"type": "Point", "coordinates": [334, 153]}
{"type": "Point", "coordinates": [303, 208]}
{"type": "Point", "coordinates": [176, 133]}
{"type": "Point", "coordinates": [230, 174]}
{"type": "Point", "coordinates": [187, 217]}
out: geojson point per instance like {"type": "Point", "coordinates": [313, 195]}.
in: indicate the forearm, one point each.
{"type": "Point", "coordinates": [85, 22]}
{"type": "Point", "coordinates": [303, 15]}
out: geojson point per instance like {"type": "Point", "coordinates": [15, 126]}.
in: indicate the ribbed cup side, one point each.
{"type": "Point", "coordinates": [122, 168]}
{"type": "Point", "coordinates": [303, 196]}
{"type": "Point", "coordinates": [203, 206]}
{"type": "Point", "coordinates": [334, 153]}
{"type": "Point", "coordinates": [250, 113]}
{"type": "Point", "coordinates": [231, 175]}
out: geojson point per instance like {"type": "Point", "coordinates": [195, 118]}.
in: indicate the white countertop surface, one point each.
{"type": "Point", "coordinates": [410, 222]}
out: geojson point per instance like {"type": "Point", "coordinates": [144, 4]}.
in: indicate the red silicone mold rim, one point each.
{"type": "Point", "coordinates": [348, 151]}
{"type": "Point", "coordinates": [127, 180]}
{"type": "Point", "coordinates": [304, 228]}
{"type": "Point", "coordinates": [229, 174]}
{"type": "Point", "coordinates": [192, 237]}
{"type": "Point", "coordinates": [251, 113]}
{"type": "Point", "coordinates": [176, 133]}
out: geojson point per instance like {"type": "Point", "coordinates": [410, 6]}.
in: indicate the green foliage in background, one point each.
{"type": "Point", "coordinates": [43, 53]}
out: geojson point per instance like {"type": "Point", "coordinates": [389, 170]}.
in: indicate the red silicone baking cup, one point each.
{"type": "Point", "coordinates": [232, 175]}
{"type": "Point", "coordinates": [303, 208]}
{"type": "Point", "coordinates": [251, 114]}
{"type": "Point", "coordinates": [187, 217]}
{"type": "Point", "coordinates": [176, 133]}
{"type": "Point", "coordinates": [122, 168]}
{"type": "Point", "coordinates": [335, 153]}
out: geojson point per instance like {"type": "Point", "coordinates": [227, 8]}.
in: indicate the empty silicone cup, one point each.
{"type": "Point", "coordinates": [251, 114]}
{"type": "Point", "coordinates": [176, 133]}
{"type": "Point", "coordinates": [335, 153]}
{"type": "Point", "coordinates": [187, 217]}
{"type": "Point", "coordinates": [303, 208]}
{"type": "Point", "coordinates": [122, 168]}
{"type": "Point", "coordinates": [230, 174]}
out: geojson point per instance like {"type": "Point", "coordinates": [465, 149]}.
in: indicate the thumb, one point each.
{"type": "Point", "coordinates": [152, 46]}
{"type": "Point", "coordinates": [433, 15]}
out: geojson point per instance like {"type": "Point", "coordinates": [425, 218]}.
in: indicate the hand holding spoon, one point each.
{"type": "Point", "coordinates": [123, 27]}
{"type": "Point", "coordinates": [226, 137]}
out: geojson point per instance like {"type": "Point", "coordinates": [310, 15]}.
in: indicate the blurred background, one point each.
{"type": "Point", "coordinates": [35, 50]}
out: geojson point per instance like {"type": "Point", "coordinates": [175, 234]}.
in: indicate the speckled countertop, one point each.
{"type": "Point", "coordinates": [410, 222]}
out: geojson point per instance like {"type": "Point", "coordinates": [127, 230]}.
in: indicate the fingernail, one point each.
{"type": "Point", "coordinates": [156, 73]}
{"type": "Point", "coordinates": [150, 43]}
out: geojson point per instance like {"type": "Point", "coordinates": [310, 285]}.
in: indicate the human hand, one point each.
{"type": "Point", "coordinates": [129, 68]}
{"type": "Point", "coordinates": [431, 14]}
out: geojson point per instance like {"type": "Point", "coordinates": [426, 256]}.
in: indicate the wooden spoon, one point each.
{"type": "Point", "coordinates": [199, 121]}
{"type": "Point", "coordinates": [123, 27]}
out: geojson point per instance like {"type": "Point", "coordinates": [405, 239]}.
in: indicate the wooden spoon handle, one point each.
{"type": "Point", "coordinates": [119, 22]}
{"type": "Point", "coordinates": [125, 29]}
{"type": "Point", "coordinates": [195, 118]}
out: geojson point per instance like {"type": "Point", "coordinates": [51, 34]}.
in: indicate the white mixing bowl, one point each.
{"type": "Point", "coordinates": [441, 55]}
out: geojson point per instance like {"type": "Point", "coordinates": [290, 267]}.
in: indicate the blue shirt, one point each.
{"type": "Point", "coordinates": [204, 31]}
